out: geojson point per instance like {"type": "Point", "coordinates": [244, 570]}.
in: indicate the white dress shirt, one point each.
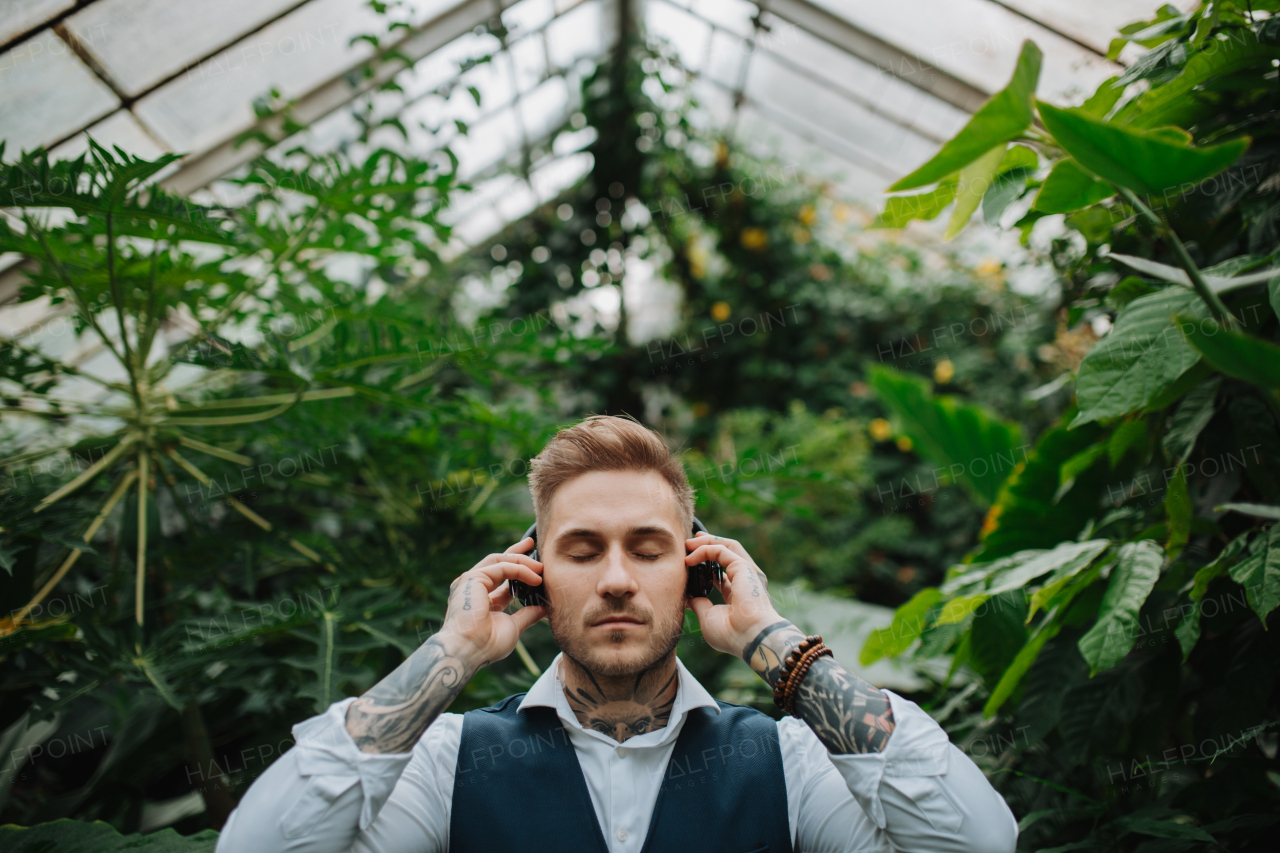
{"type": "Point", "coordinates": [326, 796]}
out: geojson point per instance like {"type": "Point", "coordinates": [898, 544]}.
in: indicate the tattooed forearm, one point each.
{"type": "Point", "coordinates": [397, 710]}
{"type": "Point", "coordinates": [848, 714]}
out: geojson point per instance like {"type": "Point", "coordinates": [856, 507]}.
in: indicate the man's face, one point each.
{"type": "Point", "coordinates": [613, 555]}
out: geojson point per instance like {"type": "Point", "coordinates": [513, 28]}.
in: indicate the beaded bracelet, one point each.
{"type": "Point", "coordinates": [793, 684]}
{"type": "Point", "coordinates": [787, 674]}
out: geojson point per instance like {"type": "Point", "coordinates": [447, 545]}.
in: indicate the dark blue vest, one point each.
{"type": "Point", "coordinates": [519, 786]}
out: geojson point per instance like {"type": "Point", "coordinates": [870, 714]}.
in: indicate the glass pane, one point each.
{"type": "Point", "coordinates": [795, 151]}
{"type": "Point", "coordinates": [488, 143]}
{"type": "Point", "coordinates": [22, 15]}
{"type": "Point", "coordinates": [576, 34]}
{"type": "Point", "coordinates": [527, 15]}
{"type": "Point", "coordinates": [725, 58]}
{"type": "Point", "coordinates": [555, 177]}
{"type": "Point", "coordinates": [47, 94]}
{"type": "Point", "coordinates": [862, 82]}
{"type": "Point", "coordinates": [1093, 22]}
{"type": "Point", "coordinates": [119, 128]}
{"type": "Point", "coordinates": [977, 41]}
{"type": "Point", "coordinates": [687, 34]}
{"type": "Point", "coordinates": [140, 42]}
{"type": "Point", "coordinates": [733, 15]}
{"type": "Point", "coordinates": [213, 100]}
{"type": "Point", "coordinates": [545, 108]}
{"type": "Point", "coordinates": [529, 59]}
{"type": "Point", "coordinates": [838, 122]}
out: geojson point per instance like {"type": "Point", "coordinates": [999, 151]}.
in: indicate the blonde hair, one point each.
{"type": "Point", "coordinates": [606, 443]}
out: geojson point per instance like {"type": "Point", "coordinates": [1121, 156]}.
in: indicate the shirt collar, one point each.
{"type": "Point", "coordinates": [548, 691]}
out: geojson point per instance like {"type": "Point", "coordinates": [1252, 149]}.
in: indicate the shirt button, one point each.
{"type": "Point", "coordinates": [622, 752]}
{"type": "Point", "coordinates": [622, 835]}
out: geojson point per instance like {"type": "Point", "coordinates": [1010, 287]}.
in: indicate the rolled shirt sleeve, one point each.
{"type": "Point", "coordinates": [924, 793]}
{"type": "Point", "coordinates": [318, 796]}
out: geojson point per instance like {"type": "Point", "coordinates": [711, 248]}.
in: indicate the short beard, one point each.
{"type": "Point", "coordinates": [662, 642]}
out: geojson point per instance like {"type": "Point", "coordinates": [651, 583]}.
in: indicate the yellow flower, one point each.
{"type": "Point", "coordinates": [720, 312]}
{"type": "Point", "coordinates": [841, 212]}
{"type": "Point", "coordinates": [904, 443]}
{"type": "Point", "coordinates": [701, 410]}
{"type": "Point", "coordinates": [754, 239]}
{"type": "Point", "coordinates": [991, 271]}
{"type": "Point", "coordinates": [808, 215]}
{"type": "Point", "coordinates": [991, 522]}
{"type": "Point", "coordinates": [800, 235]}
{"type": "Point", "coordinates": [880, 429]}
{"type": "Point", "coordinates": [943, 373]}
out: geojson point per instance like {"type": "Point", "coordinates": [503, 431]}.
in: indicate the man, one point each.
{"type": "Point", "coordinates": [617, 748]}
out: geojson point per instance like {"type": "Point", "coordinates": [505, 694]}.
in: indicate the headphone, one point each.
{"type": "Point", "coordinates": [701, 581]}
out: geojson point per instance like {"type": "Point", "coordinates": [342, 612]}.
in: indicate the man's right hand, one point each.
{"type": "Point", "coordinates": [475, 619]}
{"type": "Point", "coordinates": [398, 709]}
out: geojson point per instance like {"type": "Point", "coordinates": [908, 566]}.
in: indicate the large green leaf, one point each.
{"type": "Point", "coordinates": [1177, 503]}
{"type": "Point", "coordinates": [976, 448]}
{"type": "Point", "coordinates": [1136, 571]}
{"type": "Point", "coordinates": [1176, 275]}
{"type": "Point", "coordinates": [1259, 573]}
{"type": "Point", "coordinates": [908, 622]}
{"type": "Point", "coordinates": [1070, 188]}
{"type": "Point", "coordinates": [1227, 53]}
{"type": "Point", "coordinates": [1030, 512]}
{"type": "Point", "coordinates": [1234, 353]}
{"type": "Point", "coordinates": [975, 179]}
{"type": "Point", "coordinates": [1188, 631]}
{"type": "Point", "coordinates": [1145, 162]}
{"type": "Point", "coordinates": [970, 585]}
{"type": "Point", "coordinates": [1142, 355]}
{"type": "Point", "coordinates": [901, 209]}
{"type": "Point", "coordinates": [1001, 119]}
{"type": "Point", "coordinates": [1192, 416]}
{"type": "Point", "coordinates": [1026, 656]}
{"type": "Point", "coordinates": [100, 183]}
{"type": "Point", "coordinates": [73, 836]}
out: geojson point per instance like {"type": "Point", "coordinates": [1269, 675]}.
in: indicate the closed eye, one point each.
{"type": "Point", "coordinates": [647, 557]}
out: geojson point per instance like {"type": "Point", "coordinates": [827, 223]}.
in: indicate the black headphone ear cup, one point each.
{"type": "Point", "coordinates": [529, 596]}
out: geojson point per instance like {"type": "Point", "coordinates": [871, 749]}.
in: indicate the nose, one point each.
{"type": "Point", "coordinates": [616, 579]}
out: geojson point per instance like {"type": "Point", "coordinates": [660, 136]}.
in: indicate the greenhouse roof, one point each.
{"type": "Point", "coordinates": [865, 90]}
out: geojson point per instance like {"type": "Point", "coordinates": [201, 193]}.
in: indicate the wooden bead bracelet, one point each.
{"type": "Point", "coordinates": [793, 671]}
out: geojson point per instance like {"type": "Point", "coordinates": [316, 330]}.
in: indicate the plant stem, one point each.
{"type": "Point", "coordinates": [76, 552]}
{"type": "Point", "coordinates": [142, 535]}
{"type": "Point", "coordinates": [1211, 299]}
{"type": "Point", "coordinates": [118, 298]}
{"type": "Point", "coordinates": [217, 797]}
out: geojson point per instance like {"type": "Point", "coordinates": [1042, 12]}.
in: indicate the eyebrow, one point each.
{"type": "Point", "coordinates": [588, 533]}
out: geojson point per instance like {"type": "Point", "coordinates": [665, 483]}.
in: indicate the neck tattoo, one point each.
{"type": "Point", "coordinates": [625, 707]}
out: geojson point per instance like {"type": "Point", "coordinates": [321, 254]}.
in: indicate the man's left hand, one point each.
{"type": "Point", "coordinates": [747, 610]}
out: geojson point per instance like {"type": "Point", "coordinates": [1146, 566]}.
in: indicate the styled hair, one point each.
{"type": "Point", "coordinates": [606, 443]}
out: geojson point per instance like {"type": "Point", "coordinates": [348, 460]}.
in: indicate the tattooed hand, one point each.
{"type": "Point", "coordinates": [747, 610]}
{"type": "Point", "coordinates": [397, 710]}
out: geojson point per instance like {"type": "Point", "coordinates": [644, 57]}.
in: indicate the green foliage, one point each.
{"type": "Point", "coordinates": [975, 448]}
{"type": "Point", "coordinates": [1166, 459]}
{"type": "Point", "coordinates": [1234, 353]}
{"type": "Point", "coordinates": [1069, 188]}
{"type": "Point", "coordinates": [70, 836]}
{"type": "Point", "coordinates": [1143, 356]}
{"type": "Point", "coordinates": [1145, 162]}
{"type": "Point", "coordinates": [1001, 119]}
{"type": "Point", "coordinates": [335, 432]}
